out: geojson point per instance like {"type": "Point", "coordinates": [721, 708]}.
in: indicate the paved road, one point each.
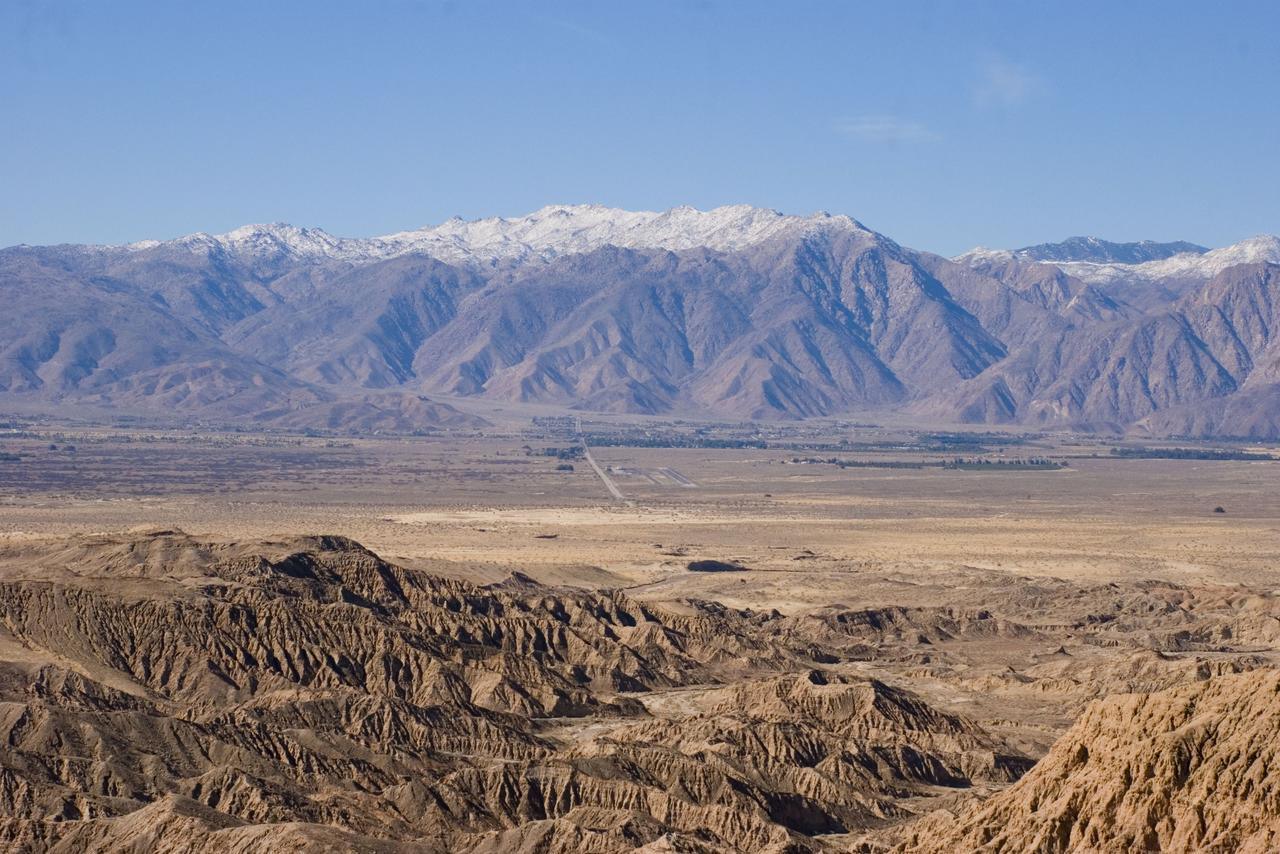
{"type": "Point", "coordinates": [604, 475]}
{"type": "Point", "coordinates": [678, 478]}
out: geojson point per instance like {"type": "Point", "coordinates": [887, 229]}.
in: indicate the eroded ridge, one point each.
{"type": "Point", "coordinates": [172, 693]}
{"type": "Point", "coordinates": [168, 693]}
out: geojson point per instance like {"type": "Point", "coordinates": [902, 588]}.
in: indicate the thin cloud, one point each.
{"type": "Point", "coordinates": [1002, 83]}
{"type": "Point", "coordinates": [886, 129]}
{"type": "Point", "coordinates": [584, 32]}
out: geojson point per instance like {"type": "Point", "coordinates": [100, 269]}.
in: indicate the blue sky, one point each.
{"type": "Point", "coordinates": [944, 124]}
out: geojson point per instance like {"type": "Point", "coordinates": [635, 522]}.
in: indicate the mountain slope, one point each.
{"type": "Point", "coordinates": [1172, 371]}
{"type": "Point", "coordinates": [84, 335]}
{"type": "Point", "coordinates": [140, 336]}
{"type": "Point", "coordinates": [786, 328]}
{"type": "Point", "coordinates": [358, 326]}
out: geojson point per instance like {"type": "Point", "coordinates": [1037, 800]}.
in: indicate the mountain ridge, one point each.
{"type": "Point", "coordinates": [1097, 250]}
{"type": "Point", "coordinates": [736, 312]}
{"type": "Point", "coordinates": [550, 231]}
{"type": "Point", "coordinates": [1188, 264]}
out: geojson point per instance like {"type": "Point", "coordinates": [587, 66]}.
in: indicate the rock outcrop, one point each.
{"type": "Point", "coordinates": [162, 692]}
{"type": "Point", "coordinates": [1188, 769]}
{"type": "Point", "coordinates": [159, 692]}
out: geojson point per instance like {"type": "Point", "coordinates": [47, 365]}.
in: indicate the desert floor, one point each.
{"type": "Point", "coordinates": [810, 532]}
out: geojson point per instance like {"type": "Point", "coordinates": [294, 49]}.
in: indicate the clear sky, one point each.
{"type": "Point", "coordinates": [944, 124]}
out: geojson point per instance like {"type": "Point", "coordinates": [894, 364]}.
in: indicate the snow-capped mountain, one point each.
{"type": "Point", "coordinates": [547, 233]}
{"type": "Point", "coordinates": [1188, 265]}
{"type": "Point", "coordinates": [267, 239]}
{"type": "Point", "coordinates": [792, 316]}
{"type": "Point", "coordinates": [983, 255]}
{"type": "Point", "coordinates": [1191, 265]}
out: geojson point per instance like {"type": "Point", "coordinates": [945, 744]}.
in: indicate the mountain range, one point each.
{"type": "Point", "coordinates": [735, 312]}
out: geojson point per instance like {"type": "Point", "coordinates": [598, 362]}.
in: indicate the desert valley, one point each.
{"type": "Point", "coordinates": [563, 633]}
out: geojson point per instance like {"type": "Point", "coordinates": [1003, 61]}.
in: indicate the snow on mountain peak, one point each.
{"type": "Point", "coordinates": [1185, 265]}
{"type": "Point", "coordinates": [979, 255]}
{"type": "Point", "coordinates": [284, 238]}
{"type": "Point", "coordinates": [548, 232]}
{"type": "Point", "coordinates": [567, 229]}
{"type": "Point", "coordinates": [1256, 249]}
{"type": "Point", "coordinates": [265, 239]}
{"type": "Point", "coordinates": [1188, 265]}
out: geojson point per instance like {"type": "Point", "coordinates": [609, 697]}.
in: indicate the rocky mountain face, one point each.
{"type": "Point", "coordinates": [737, 312]}
{"type": "Point", "coordinates": [1201, 366]}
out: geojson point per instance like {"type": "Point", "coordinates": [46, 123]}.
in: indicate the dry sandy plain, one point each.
{"type": "Point", "coordinates": [1010, 597]}
{"type": "Point", "coordinates": [810, 532]}
{"type": "Point", "coordinates": [487, 504]}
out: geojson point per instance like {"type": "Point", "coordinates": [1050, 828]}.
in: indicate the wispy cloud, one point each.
{"type": "Point", "coordinates": [1002, 83]}
{"type": "Point", "coordinates": [582, 31]}
{"type": "Point", "coordinates": [886, 129]}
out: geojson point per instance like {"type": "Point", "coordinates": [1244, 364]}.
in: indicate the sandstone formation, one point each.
{"type": "Point", "coordinates": [172, 694]}
{"type": "Point", "coordinates": [161, 692]}
{"type": "Point", "coordinates": [1188, 769]}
